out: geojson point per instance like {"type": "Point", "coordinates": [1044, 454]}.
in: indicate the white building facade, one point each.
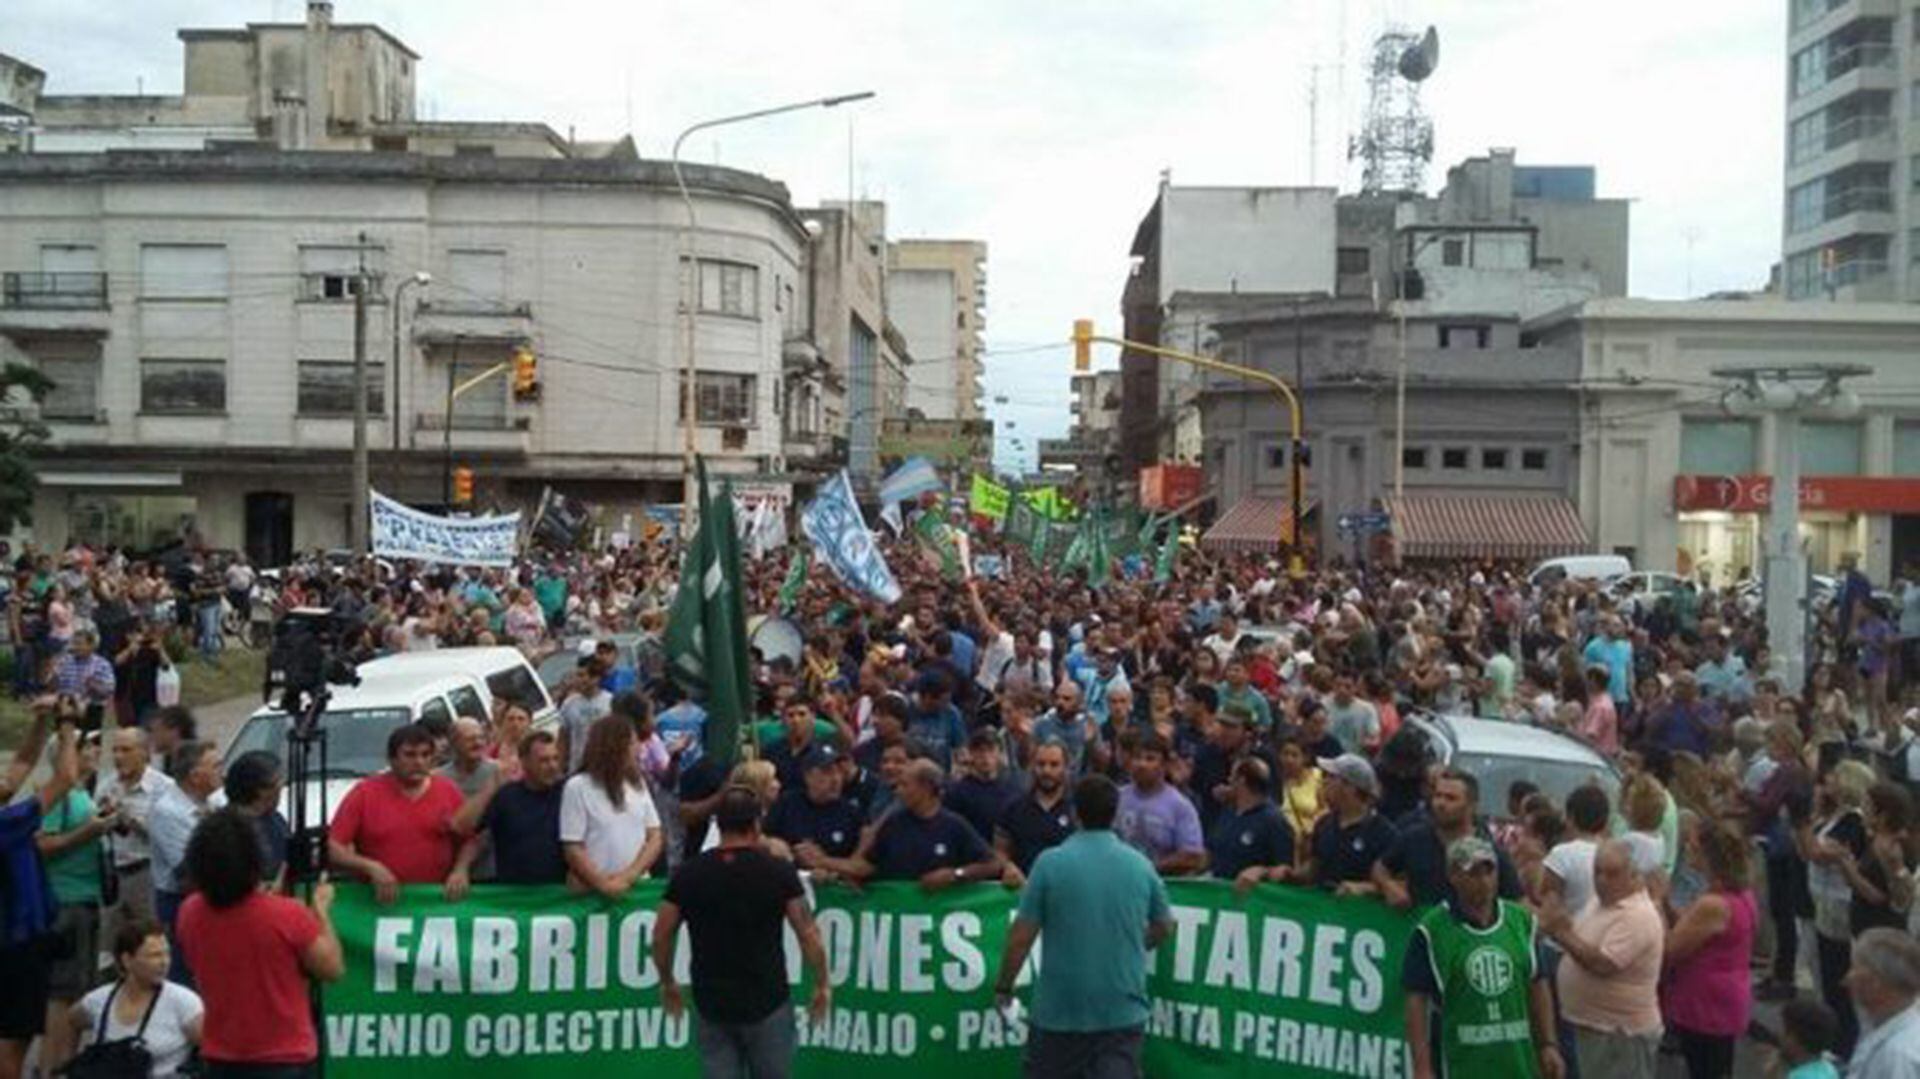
{"type": "Point", "coordinates": [1671, 478]}
{"type": "Point", "coordinates": [195, 310]}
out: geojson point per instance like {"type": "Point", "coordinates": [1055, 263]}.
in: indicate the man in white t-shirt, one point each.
{"type": "Point", "coordinates": [1225, 640]}
{"type": "Point", "coordinates": [1569, 865]}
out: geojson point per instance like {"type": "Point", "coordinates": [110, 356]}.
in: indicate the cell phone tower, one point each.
{"type": "Point", "coordinates": [1395, 143]}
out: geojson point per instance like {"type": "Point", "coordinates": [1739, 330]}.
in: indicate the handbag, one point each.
{"type": "Point", "coordinates": [166, 685]}
{"type": "Point", "coordinates": [122, 1058]}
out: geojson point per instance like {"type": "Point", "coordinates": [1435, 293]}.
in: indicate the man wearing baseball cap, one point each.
{"type": "Point", "coordinates": [815, 817]}
{"type": "Point", "coordinates": [1473, 964]}
{"type": "Point", "coordinates": [1350, 837]}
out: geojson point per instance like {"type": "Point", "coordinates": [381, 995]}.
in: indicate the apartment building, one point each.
{"type": "Point", "coordinates": [938, 295]}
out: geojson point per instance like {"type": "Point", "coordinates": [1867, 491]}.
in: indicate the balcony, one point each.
{"type": "Point", "coordinates": [1865, 139]}
{"type": "Point", "coordinates": [474, 320]}
{"type": "Point", "coordinates": [53, 291]}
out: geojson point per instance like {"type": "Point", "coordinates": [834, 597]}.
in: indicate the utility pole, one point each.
{"type": "Point", "coordinates": [446, 432]}
{"type": "Point", "coordinates": [362, 480]}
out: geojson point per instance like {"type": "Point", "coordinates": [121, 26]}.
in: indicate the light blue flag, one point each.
{"type": "Point", "coordinates": [833, 523]}
{"type": "Point", "coordinates": [910, 480]}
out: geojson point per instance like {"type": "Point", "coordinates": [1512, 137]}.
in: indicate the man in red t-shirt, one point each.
{"type": "Point", "coordinates": [396, 827]}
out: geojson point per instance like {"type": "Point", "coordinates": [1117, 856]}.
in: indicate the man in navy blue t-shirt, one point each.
{"type": "Point", "coordinates": [816, 817]}
{"type": "Point", "coordinates": [521, 819]}
{"type": "Point", "coordinates": [924, 841]}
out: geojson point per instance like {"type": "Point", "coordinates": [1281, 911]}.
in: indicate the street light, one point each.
{"type": "Point", "coordinates": [420, 279]}
{"type": "Point", "coordinates": [1789, 391]}
{"type": "Point", "coordinates": [690, 396]}
{"type": "Point", "coordinates": [1400, 379]}
{"type": "Point", "coordinates": [360, 533]}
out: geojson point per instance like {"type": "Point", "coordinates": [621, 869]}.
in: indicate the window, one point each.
{"type": "Point", "coordinates": [472, 149]}
{"type": "Point", "coordinates": [467, 703]}
{"type": "Point", "coordinates": [1477, 335]}
{"type": "Point", "coordinates": [1829, 449]}
{"type": "Point", "coordinates": [1906, 449]}
{"type": "Point", "coordinates": [1355, 260]}
{"type": "Point", "coordinates": [1276, 457]}
{"type": "Point", "coordinates": [1717, 447]}
{"type": "Point", "coordinates": [1806, 205]}
{"type": "Point", "coordinates": [729, 288]}
{"type": "Point", "coordinates": [1453, 459]}
{"type": "Point", "coordinates": [1533, 460]}
{"type": "Point", "coordinates": [1803, 275]}
{"type": "Point", "coordinates": [725, 400]}
{"type": "Point", "coordinates": [132, 522]}
{"type": "Point", "coordinates": [183, 387]}
{"type": "Point", "coordinates": [1453, 252]}
{"type": "Point", "coordinates": [326, 388]}
{"type": "Point", "coordinates": [69, 277]}
{"type": "Point", "coordinates": [389, 144]}
{"type": "Point", "coordinates": [1349, 355]}
{"type": "Point", "coordinates": [483, 408]}
{"type": "Point", "coordinates": [1807, 137]}
{"type": "Point", "coordinates": [332, 274]}
{"type": "Point", "coordinates": [476, 281]}
{"type": "Point", "coordinates": [1810, 68]}
{"type": "Point", "coordinates": [1493, 460]}
{"type": "Point", "coordinates": [183, 272]}
{"type": "Point", "coordinates": [73, 365]}
{"type": "Point", "coordinates": [1413, 457]}
{"type": "Point", "coordinates": [1808, 12]}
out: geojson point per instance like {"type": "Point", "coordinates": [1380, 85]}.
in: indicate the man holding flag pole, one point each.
{"type": "Point", "coordinates": [706, 637]}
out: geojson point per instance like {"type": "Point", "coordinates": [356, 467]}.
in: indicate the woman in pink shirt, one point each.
{"type": "Point", "coordinates": [1709, 991]}
{"type": "Point", "coordinates": [1600, 723]}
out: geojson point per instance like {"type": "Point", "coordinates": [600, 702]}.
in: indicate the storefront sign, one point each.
{"type": "Point", "coordinates": [515, 980]}
{"type": "Point", "coordinates": [1840, 494]}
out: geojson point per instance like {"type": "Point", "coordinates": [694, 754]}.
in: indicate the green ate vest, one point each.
{"type": "Point", "coordinates": [1486, 978]}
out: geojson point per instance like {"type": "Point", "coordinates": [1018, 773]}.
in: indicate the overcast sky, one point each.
{"type": "Point", "coordinates": [1042, 127]}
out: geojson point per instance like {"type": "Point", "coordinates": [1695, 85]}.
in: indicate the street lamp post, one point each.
{"type": "Point", "coordinates": [1400, 377]}
{"type": "Point", "coordinates": [420, 279]}
{"type": "Point", "coordinates": [1789, 392]}
{"type": "Point", "coordinates": [690, 297]}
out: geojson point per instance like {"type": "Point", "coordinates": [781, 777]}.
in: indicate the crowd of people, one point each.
{"type": "Point", "coordinates": [1038, 731]}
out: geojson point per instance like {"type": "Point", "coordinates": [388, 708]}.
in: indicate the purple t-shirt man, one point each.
{"type": "Point", "coordinates": [1158, 824]}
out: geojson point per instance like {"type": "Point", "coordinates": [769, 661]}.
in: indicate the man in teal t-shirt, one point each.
{"type": "Point", "coordinates": [1101, 908]}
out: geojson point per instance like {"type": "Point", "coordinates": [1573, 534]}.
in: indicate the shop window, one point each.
{"type": "Point", "coordinates": [1829, 449]}
{"type": "Point", "coordinates": [1717, 447]}
{"type": "Point", "coordinates": [137, 523]}
{"type": "Point", "coordinates": [1906, 449]}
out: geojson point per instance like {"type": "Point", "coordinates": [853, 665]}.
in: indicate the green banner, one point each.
{"type": "Point", "coordinates": [989, 499]}
{"type": "Point", "coordinates": [1282, 981]}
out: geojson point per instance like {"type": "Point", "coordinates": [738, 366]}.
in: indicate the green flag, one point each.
{"type": "Point", "coordinates": [936, 537]}
{"type": "Point", "coordinates": [1169, 552]}
{"type": "Point", "coordinates": [706, 638]}
{"type": "Point", "coordinates": [796, 579]}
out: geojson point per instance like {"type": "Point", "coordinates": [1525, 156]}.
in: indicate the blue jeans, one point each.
{"type": "Point", "coordinates": [762, 1050]}
{"type": "Point", "coordinates": [208, 617]}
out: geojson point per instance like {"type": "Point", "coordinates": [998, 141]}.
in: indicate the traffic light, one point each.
{"type": "Point", "coordinates": [526, 375]}
{"type": "Point", "coordinates": [463, 486]}
{"type": "Point", "coordinates": [1083, 344]}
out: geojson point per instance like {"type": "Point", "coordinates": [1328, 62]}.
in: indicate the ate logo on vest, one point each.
{"type": "Point", "coordinates": [1489, 971]}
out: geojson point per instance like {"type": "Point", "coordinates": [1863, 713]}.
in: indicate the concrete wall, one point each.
{"type": "Point", "coordinates": [946, 372]}
{"type": "Point", "coordinates": [1240, 239]}
{"type": "Point", "coordinates": [922, 305]}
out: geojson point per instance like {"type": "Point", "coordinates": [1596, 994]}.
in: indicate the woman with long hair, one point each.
{"type": "Point", "coordinates": [1709, 994]}
{"type": "Point", "coordinates": [609, 828]}
{"type": "Point", "coordinates": [252, 954]}
{"type": "Point", "coordinates": [1836, 834]}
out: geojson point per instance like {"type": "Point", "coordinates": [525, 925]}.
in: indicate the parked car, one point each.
{"type": "Point", "coordinates": [555, 666]}
{"type": "Point", "coordinates": [1636, 592]}
{"type": "Point", "coordinates": [1498, 752]}
{"type": "Point", "coordinates": [1580, 567]}
{"type": "Point", "coordinates": [503, 670]}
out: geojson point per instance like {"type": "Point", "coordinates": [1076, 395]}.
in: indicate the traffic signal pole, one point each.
{"type": "Point", "coordinates": [1083, 339]}
{"type": "Point", "coordinates": [454, 391]}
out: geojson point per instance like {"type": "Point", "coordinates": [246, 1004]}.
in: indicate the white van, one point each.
{"type": "Point", "coordinates": [503, 670]}
{"type": "Point", "coordinates": [1580, 567]}
{"type": "Point", "coordinates": [357, 722]}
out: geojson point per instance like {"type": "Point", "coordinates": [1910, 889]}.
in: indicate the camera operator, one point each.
{"type": "Point", "coordinates": [26, 917]}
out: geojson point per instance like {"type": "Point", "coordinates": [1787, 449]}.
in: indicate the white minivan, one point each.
{"type": "Point", "coordinates": [1580, 567]}
{"type": "Point", "coordinates": [357, 722]}
{"type": "Point", "coordinates": [503, 670]}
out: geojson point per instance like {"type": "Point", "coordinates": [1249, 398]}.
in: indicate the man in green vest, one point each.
{"type": "Point", "coordinates": [1473, 963]}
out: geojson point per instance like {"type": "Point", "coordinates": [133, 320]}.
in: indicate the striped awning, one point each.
{"type": "Point", "coordinates": [1255, 525]}
{"type": "Point", "coordinates": [1486, 526]}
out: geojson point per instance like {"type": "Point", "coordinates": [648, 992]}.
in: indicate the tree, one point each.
{"type": "Point", "coordinates": [22, 388]}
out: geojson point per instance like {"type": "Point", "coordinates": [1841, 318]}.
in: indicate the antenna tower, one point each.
{"type": "Point", "coordinates": [1395, 143]}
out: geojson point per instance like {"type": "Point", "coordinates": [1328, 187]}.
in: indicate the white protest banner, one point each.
{"type": "Point", "coordinates": [400, 531]}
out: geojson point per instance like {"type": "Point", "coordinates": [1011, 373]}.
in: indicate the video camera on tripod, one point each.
{"type": "Point", "coordinates": [305, 660]}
